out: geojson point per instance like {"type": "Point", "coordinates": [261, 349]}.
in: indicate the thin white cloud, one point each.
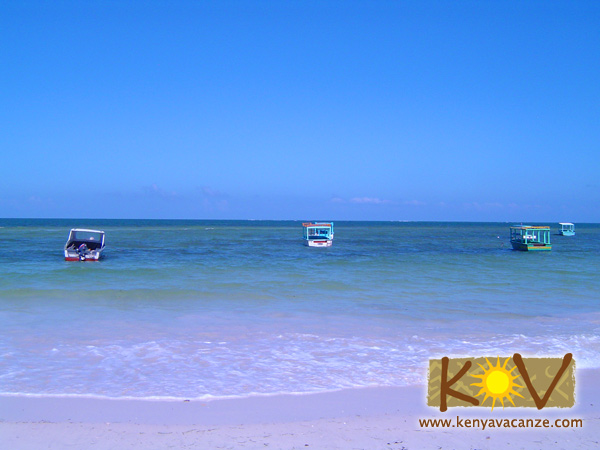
{"type": "Point", "coordinates": [376, 201]}
{"type": "Point", "coordinates": [369, 200]}
{"type": "Point", "coordinates": [483, 206]}
{"type": "Point", "coordinates": [214, 200]}
{"type": "Point", "coordinates": [155, 191]}
{"type": "Point", "coordinates": [414, 203]}
{"type": "Point", "coordinates": [210, 192]}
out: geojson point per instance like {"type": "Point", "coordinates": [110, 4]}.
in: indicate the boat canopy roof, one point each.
{"type": "Point", "coordinates": [87, 230]}
{"type": "Point", "coordinates": [317, 224]}
{"type": "Point", "coordinates": [531, 227]}
{"type": "Point", "coordinates": [83, 234]}
{"type": "Point", "coordinates": [565, 223]}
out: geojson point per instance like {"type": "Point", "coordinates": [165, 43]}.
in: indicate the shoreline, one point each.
{"type": "Point", "coordinates": [369, 418]}
{"type": "Point", "coordinates": [253, 409]}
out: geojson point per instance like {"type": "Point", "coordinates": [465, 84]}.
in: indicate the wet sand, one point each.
{"type": "Point", "coordinates": [369, 418]}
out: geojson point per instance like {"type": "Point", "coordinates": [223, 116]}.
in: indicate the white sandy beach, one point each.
{"type": "Point", "coordinates": [370, 418]}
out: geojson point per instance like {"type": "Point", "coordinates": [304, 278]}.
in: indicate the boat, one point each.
{"type": "Point", "coordinates": [530, 238]}
{"type": "Point", "coordinates": [318, 234]}
{"type": "Point", "coordinates": [566, 229]}
{"type": "Point", "coordinates": [84, 245]}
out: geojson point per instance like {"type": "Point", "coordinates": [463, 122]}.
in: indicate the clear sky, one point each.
{"type": "Point", "coordinates": [347, 110]}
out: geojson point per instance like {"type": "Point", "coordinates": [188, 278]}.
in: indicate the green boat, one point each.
{"type": "Point", "coordinates": [566, 229]}
{"type": "Point", "coordinates": [529, 238]}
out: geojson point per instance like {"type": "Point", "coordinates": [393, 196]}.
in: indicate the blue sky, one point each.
{"type": "Point", "coordinates": [347, 110]}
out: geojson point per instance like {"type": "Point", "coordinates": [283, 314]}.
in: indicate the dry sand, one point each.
{"type": "Point", "coordinates": [370, 418]}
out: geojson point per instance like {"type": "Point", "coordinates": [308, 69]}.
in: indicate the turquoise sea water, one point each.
{"type": "Point", "coordinates": [202, 309]}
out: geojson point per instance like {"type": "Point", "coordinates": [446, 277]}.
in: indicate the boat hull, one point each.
{"type": "Point", "coordinates": [566, 233]}
{"type": "Point", "coordinates": [319, 243]}
{"type": "Point", "coordinates": [531, 247]}
{"type": "Point", "coordinates": [74, 256]}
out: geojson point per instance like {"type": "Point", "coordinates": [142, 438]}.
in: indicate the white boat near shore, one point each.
{"type": "Point", "coordinates": [84, 245]}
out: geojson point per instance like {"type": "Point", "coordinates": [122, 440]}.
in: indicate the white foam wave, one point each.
{"type": "Point", "coordinates": [292, 363]}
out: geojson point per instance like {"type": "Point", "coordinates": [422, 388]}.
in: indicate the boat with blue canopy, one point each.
{"type": "Point", "coordinates": [530, 238]}
{"type": "Point", "coordinates": [318, 234]}
{"type": "Point", "coordinates": [566, 229]}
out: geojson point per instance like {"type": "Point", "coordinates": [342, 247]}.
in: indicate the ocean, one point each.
{"type": "Point", "coordinates": [217, 309]}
